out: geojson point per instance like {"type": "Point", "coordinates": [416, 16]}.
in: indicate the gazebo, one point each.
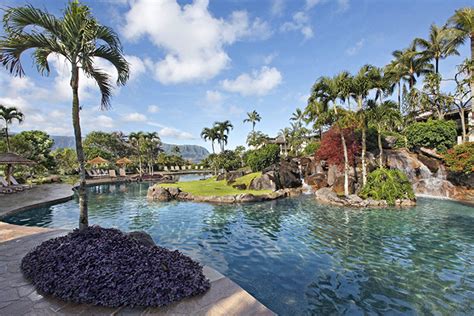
{"type": "Point", "coordinates": [123, 161]}
{"type": "Point", "coordinates": [97, 161]}
{"type": "Point", "coordinates": [11, 159]}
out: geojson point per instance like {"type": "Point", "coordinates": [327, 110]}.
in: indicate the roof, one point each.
{"type": "Point", "coordinates": [123, 161]}
{"type": "Point", "coordinates": [97, 160]}
{"type": "Point", "coordinates": [14, 159]}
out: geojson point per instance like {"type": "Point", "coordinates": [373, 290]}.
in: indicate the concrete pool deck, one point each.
{"type": "Point", "coordinates": [18, 296]}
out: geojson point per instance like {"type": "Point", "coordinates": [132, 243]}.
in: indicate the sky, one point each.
{"type": "Point", "coordinates": [197, 62]}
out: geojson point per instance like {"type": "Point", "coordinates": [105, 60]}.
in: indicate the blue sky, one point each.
{"type": "Point", "coordinates": [195, 62]}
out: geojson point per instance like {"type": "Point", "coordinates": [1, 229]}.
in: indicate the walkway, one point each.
{"type": "Point", "coordinates": [37, 196]}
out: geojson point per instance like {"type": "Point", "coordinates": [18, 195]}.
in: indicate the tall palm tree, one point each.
{"type": "Point", "coordinates": [137, 139]}
{"type": "Point", "coordinates": [152, 144]}
{"type": "Point", "coordinates": [8, 115]}
{"type": "Point", "coordinates": [209, 134]}
{"type": "Point", "coordinates": [223, 129]}
{"type": "Point", "coordinates": [81, 40]}
{"type": "Point", "coordinates": [394, 76]}
{"type": "Point", "coordinates": [362, 83]}
{"type": "Point", "coordinates": [383, 117]}
{"type": "Point", "coordinates": [411, 64]}
{"type": "Point", "coordinates": [462, 23]}
{"type": "Point", "coordinates": [285, 133]}
{"type": "Point", "coordinates": [253, 117]}
{"type": "Point", "coordinates": [441, 44]}
{"type": "Point", "coordinates": [298, 116]}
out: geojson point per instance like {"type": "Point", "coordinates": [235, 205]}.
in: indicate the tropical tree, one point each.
{"type": "Point", "coordinates": [298, 116]}
{"type": "Point", "coordinates": [383, 117]}
{"type": "Point", "coordinates": [223, 129]}
{"type": "Point", "coordinates": [410, 64]}
{"type": "Point", "coordinates": [210, 134]}
{"type": "Point", "coordinates": [462, 22]}
{"type": "Point", "coordinates": [81, 40]}
{"type": "Point", "coordinates": [137, 139]}
{"type": "Point", "coordinates": [440, 44]}
{"type": "Point", "coordinates": [152, 144]}
{"type": "Point", "coordinates": [253, 117]}
{"type": "Point", "coordinates": [462, 96]}
{"type": "Point", "coordinates": [257, 139]}
{"type": "Point", "coordinates": [285, 133]}
{"type": "Point", "coordinates": [8, 115]}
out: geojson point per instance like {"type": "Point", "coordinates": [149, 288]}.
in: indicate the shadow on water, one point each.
{"type": "Point", "coordinates": [299, 257]}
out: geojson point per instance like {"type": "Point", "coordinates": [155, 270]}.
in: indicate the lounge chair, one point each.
{"type": "Point", "coordinates": [122, 172]}
{"type": "Point", "coordinates": [176, 168]}
{"type": "Point", "coordinates": [5, 190]}
{"type": "Point", "coordinates": [112, 173]}
{"type": "Point", "coordinates": [13, 187]}
{"type": "Point", "coordinates": [89, 173]}
{"type": "Point", "coordinates": [196, 167]}
{"type": "Point", "coordinates": [202, 167]}
{"type": "Point", "coordinates": [15, 183]}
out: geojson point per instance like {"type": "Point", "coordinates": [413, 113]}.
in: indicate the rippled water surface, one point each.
{"type": "Point", "coordinates": [299, 257]}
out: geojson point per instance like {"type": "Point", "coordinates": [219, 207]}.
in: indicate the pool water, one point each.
{"type": "Point", "coordinates": [299, 257]}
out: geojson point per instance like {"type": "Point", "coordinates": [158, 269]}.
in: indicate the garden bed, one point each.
{"type": "Point", "coordinates": [109, 268]}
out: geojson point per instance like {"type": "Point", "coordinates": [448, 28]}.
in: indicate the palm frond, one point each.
{"type": "Point", "coordinates": [116, 59]}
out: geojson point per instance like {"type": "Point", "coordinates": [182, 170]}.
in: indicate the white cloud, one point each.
{"type": "Point", "coordinates": [137, 66]}
{"type": "Point", "coordinates": [342, 5]}
{"type": "Point", "coordinates": [269, 58]}
{"type": "Point", "coordinates": [278, 6]}
{"type": "Point", "coordinates": [257, 83]}
{"type": "Point", "coordinates": [153, 108]}
{"type": "Point", "coordinates": [300, 22]}
{"type": "Point", "coordinates": [214, 96]}
{"type": "Point", "coordinates": [134, 117]}
{"type": "Point", "coordinates": [174, 133]}
{"type": "Point", "coordinates": [193, 39]}
{"type": "Point", "coordinates": [356, 48]}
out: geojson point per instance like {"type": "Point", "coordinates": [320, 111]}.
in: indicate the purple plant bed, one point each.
{"type": "Point", "coordinates": [109, 268]}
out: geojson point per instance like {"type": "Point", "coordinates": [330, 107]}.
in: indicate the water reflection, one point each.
{"type": "Point", "coordinates": [299, 257]}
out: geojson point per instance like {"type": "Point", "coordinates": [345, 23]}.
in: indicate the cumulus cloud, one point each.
{"type": "Point", "coordinates": [175, 133]}
{"type": "Point", "coordinates": [213, 96]}
{"type": "Point", "coordinates": [134, 117]}
{"type": "Point", "coordinates": [300, 22]}
{"type": "Point", "coordinates": [257, 83]}
{"type": "Point", "coordinates": [355, 48]}
{"type": "Point", "coordinates": [192, 38]}
{"type": "Point", "coordinates": [342, 5]}
{"type": "Point", "coordinates": [278, 6]}
{"type": "Point", "coordinates": [153, 108]}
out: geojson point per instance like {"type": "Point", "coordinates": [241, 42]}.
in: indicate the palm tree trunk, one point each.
{"type": "Point", "coordinates": [364, 144]}
{"type": "Point", "coordinates": [470, 121]}
{"type": "Point", "coordinates": [83, 212]}
{"type": "Point", "coordinates": [346, 164]}
{"type": "Point", "coordinates": [379, 140]}
{"type": "Point", "coordinates": [213, 151]}
{"type": "Point", "coordinates": [7, 137]}
{"type": "Point", "coordinates": [400, 96]}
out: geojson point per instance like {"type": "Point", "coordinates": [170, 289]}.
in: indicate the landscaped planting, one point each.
{"type": "Point", "coordinates": [107, 267]}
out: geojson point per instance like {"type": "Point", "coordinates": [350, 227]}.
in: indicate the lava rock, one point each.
{"type": "Point", "coordinates": [157, 193]}
{"type": "Point", "coordinates": [264, 182]}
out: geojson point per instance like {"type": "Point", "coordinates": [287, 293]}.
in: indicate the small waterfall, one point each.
{"type": "Point", "coordinates": [307, 189]}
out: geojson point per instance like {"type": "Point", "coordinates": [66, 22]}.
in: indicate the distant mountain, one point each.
{"type": "Point", "coordinates": [194, 153]}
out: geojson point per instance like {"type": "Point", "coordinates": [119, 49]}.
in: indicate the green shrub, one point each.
{"type": "Point", "coordinates": [311, 148]}
{"type": "Point", "coordinates": [264, 157]}
{"type": "Point", "coordinates": [461, 158]}
{"type": "Point", "coordinates": [434, 134]}
{"type": "Point", "coordinates": [228, 160]}
{"type": "Point", "coordinates": [389, 185]}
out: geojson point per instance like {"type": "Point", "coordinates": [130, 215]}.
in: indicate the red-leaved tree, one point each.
{"type": "Point", "coordinates": [331, 147]}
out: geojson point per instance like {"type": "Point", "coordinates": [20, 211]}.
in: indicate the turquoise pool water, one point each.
{"type": "Point", "coordinates": [299, 257]}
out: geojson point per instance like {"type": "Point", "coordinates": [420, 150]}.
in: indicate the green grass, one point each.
{"type": "Point", "coordinates": [247, 178]}
{"type": "Point", "coordinates": [211, 187]}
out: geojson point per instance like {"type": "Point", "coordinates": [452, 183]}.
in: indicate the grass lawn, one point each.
{"type": "Point", "coordinates": [210, 186]}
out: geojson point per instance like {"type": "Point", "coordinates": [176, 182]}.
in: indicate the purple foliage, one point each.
{"type": "Point", "coordinates": [109, 268]}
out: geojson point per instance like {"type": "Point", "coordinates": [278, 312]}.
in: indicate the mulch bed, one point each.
{"type": "Point", "coordinates": [109, 268]}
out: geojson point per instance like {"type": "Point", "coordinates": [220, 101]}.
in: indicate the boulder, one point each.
{"type": "Point", "coordinates": [327, 196]}
{"type": "Point", "coordinates": [157, 193]}
{"type": "Point", "coordinates": [389, 142]}
{"type": "Point", "coordinates": [240, 186]}
{"type": "Point", "coordinates": [247, 197]}
{"type": "Point", "coordinates": [333, 173]}
{"type": "Point", "coordinates": [432, 163]}
{"type": "Point", "coordinates": [220, 177]}
{"type": "Point", "coordinates": [174, 192]}
{"type": "Point", "coordinates": [143, 238]}
{"type": "Point", "coordinates": [264, 182]}
{"type": "Point", "coordinates": [338, 185]}
{"type": "Point", "coordinates": [462, 179]}
{"type": "Point", "coordinates": [231, 176]}
{"type": "Point", "coordinates": [286, 173]}
{"type": "Point", "coordinates": [317, 181]}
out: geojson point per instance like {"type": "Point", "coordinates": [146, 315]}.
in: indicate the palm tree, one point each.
{"type": "Point", "coordinates": [253, 117]}
{"type": "Point", "coordinates": [383, 117]}
{"type": "Point", "coordinates": [80, 39]}
{"type": "Point", "coordinates": [223, 129]}
{"type": "Point", "coordinates": [285, 133]}
{"type": "Point", "coordinates": [152, 144]}
{"type": "Point", "coordinates": [298, 116]}
{"type": "Point", "coordinates": [137, 139]}
{"type": "Point", "coordinates": [441, 44]}
{"type": "Point", "coordinates": [9, 114]}
{"type": "Point", "coordinates": [462, 23]}
{"type": "Point", "coordinates": [326, 92]}
{"type": "Point", "coordinates": [410, 63]}
{"type": "Point", "coordinates": [209, 134]}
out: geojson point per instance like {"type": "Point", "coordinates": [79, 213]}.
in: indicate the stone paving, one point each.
{"type": "Point", "coordinates": [37, 196]}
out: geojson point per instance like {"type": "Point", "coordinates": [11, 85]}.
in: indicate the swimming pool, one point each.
{"type": "Point", "coordinates": [299, 257]}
